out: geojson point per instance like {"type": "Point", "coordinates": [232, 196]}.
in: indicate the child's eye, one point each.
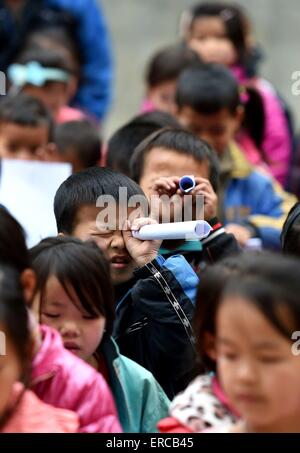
{"type": "Point", "coordinates": [51, 315]}
{"type": "Point", "coordinates": [102, 233]}
{"type": "Point", "coordinates": [269, 359]}
{"type": "Point", "coordinates": [228, 355]}
{"type": "Point", "coordinates": [88, 317]}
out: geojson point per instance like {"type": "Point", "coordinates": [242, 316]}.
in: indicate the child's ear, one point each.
{"type": "Point", "coordinates": [28, 282]}
{"type": "Point", "coordinates": [52, 153]}
{"type": "Point", "coordinates": [210, 345]}
{"type": "Point", "coordinates": [49, 153]}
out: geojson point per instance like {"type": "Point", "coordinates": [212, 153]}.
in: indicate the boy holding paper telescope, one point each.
{"type": "Point", "coordinates": [175, 163]}
{"type": "Point", "coordinates": [154, 297]}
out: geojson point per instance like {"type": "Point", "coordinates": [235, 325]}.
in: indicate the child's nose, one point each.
{"type": "Point", "coordinates": [69, 330]}
{"type": "Point", "coordinates": [245, 372]}
{"type": "Point", "coordinates": [118, 241]}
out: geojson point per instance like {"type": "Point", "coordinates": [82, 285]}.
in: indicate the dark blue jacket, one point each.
{"type": "Point", "coordinates": [153, 321]}
{"type": "Point", "coordinates": [84, 19]}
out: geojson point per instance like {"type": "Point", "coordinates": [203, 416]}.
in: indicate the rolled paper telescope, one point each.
{"type": "Point", "coordinates": [187, 183]}
{"type": "Point", "coordinates": [198, 229]}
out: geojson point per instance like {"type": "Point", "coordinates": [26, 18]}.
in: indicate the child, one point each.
{"type": "Point", "coordinates": [58, 39]}
{"type": "Point", "coordinates": [203, 404]}
{"type": "Point", "coordinates": [258, 361]}
{"type": "Point", "coordinates": [78, 143]}
{"type": "Point", "coordinates": [75, 296]}
{"type": "Point", "coordinates": [251, 204]}
{"type": "Point", "coordinates": [57, 377]}
{"type": "Point", "coordinates": [45, 74]}
{"type": "Point", "coordinates": [158, 162]}
{"type": "Point", "coordinates": [26, 129]}
{"type": "Point", "coordinates": [83, 22]}
{"type": "Point", "coordinates": [122, 143]}
{"type": "Point", "coordinates": [153, 296]}
{"type": "Point", "coordinates": [222, 34]}
{"type": "Point", "coordinates": [20, 410]}
{"type": "Point", "coordinates": [162, 73]}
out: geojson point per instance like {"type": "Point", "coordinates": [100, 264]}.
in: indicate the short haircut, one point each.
{"type": "Point", "coordinates": [208, 89]}
{"type": "Point", "coordinates": [178, 140]}
{"type": "Point", "coordinates": [83, 189]}
{"type": "Point", "coordinates": [26, 111]}
{"type": "Point", "coordinates": [13, 249]}
{"type": "Point", "coordinates": [123, 142]}
{"type": "Point", "coordinates": [168, 63]}
{"type": "Point", "coordinates": [79, 265]}
{"type": "Point", "coordinates": [82, 138]}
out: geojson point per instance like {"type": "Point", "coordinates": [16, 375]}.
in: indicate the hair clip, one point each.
{"type": "Point", "coordinates": [34, 73]}
{"type": "Point", "coordinates": [226, 14]}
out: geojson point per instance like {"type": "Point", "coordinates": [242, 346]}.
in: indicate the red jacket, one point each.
{"type": "Point", "coordinates": [31, 415]}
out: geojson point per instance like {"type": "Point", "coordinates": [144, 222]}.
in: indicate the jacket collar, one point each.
{"type": "Point", "coordinates": [241, 168]}
{"type": "Point", "coordinates": [47, 360]}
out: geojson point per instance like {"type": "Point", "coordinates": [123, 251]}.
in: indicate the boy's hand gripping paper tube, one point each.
{"type": "Point", "coordinates": [198, 229]}
{"type": "Point", "coordinates": [187, 183]}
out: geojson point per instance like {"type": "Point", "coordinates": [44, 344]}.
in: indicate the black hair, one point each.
{"type": "Point", "coordinates": [121, 145]}
{"type": "Point", "coordinates": [79, 265]}
{"type": "Point", "coordinates": [270, 282]}
{"type": "Point", "coordinates": [178, 140]}
{"type": "Point", "coordinates": [25, 110]}
{"type": "Point", "coordinates": [51, 58]}
{"type": "Point", "coordinates": [236, 24]}
{"type": "Point", "coordinates": [84, 188]}
{"type": "Point", "coordinates": [14, 320]}
{"type": "Point", "coordinates": [209, 88]}
{"type": "Point", "coordinates": [211, 286]}
{"type": "Point", "coordinates": [13, 249]}
{"type": "Point", "coordinates": [168, 63]}
{"type": "Point", "coordinates": [82, 139]}
{"type": "Point", "coordinates": [290, 236]}
{"type": "Point", "coordinates": [55, 38]}
{"type": "Point", "coordinates": [13, 312]}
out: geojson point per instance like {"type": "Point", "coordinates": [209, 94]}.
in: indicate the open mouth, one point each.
{"type": "Point", "coordinates": [120, 262]}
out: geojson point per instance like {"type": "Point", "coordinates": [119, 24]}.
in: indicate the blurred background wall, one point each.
{"type": "Point", "coordinates": [140, 27]}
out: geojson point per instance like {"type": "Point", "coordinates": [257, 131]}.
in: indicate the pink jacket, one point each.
{"type": "Point", "coordinates": [31, 415]}
{"type": "Point", "coordinates": [61, 379]}
{"type": "Point", "coordinates": [276, 142]}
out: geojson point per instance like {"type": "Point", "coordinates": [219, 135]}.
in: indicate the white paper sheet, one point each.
{"type": "Point", "coordinates": [27, 190]}
{"type": "Point", "coordinates": [198, 229]}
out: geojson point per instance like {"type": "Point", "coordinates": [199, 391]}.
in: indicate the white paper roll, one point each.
{"type": "Point", "coordinates": [198, 229]}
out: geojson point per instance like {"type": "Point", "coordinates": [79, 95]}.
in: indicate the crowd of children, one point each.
{"type": "Point", "coordinates": [101, 331]}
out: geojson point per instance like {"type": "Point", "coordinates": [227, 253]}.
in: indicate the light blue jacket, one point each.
{"type": "Point", "coordinates": [140, 400]}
